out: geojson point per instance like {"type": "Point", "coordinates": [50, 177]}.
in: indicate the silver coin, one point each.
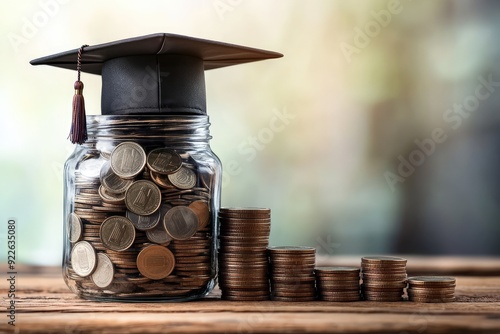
{"type": "Point", "coordinates": [164, 161]}
{"type": "Point", "coordinates": [110, 197]}
{"type": "Point", "coordinates": [181, 222]}
{"type": "Point", "coordinates": [83, 258]}
{"type": "Point", "coordinates": [184, 178]}
{"type": "Point", "coordinates": [143, 197]}
{"type": "Point", "coordinates": [104, 271]}
{"type": "Point", "coordinates": [117, 233]}
{"type": "Point", "coordinates": [112, 182]}
{"type": "Point", "coordinates": [128, 160]}
{"type": "Point", "coordinates": [75, 227]}
{"type": "Point", "coordinates": [159, 234]}
{"type": "Point", "coordinates": [90, 168]}
{"type": "Point", "coordinates": [144, 223]}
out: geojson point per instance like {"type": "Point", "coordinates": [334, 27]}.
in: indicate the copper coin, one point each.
{"type": "Point", "coordinates": [337, 271]}
{"type": "Point", "coordinates": [294, 299]}
{"type": "Point", "coordinates": [340, 299]}
{"type": "Point", "coordinates": [117, 233]}
{"type": "Point", "coordinates": [245, 298]}
{"type": "Point", "coordinates": [384, 277]}
{"type": "Point", "coordinates": [164, 161]}
{"type": "Point", "coordinates": [202, 211]}
{"type": "Point", "coordinates": [383, 260]}
{"type": "Point", "coordinates": [181, 222]}
{"type": "Point", "coordinates": [155, 262]}
{"type": "Point", "coordinates": [162, 181]}
{"type": "Point", "coordinates": [431, 281]}
{"type": "Point", "coordinates": [382, 284]}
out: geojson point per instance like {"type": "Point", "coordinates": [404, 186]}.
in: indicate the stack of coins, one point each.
{"type": "Point", "coordinates": [292, 273]}
{"type": "Point", "coordinates": [337, 284]}
{"type": "Point", "coordinates": [140, 224]}
{"type": "Point", "coordinates": [244, 237]}
{"type": "Point", "coordinates": [431, 289]}
{"type": "Point", "coordinates": [384, 278]}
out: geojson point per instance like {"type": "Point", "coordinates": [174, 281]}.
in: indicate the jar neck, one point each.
{"type": "Point", "coordinates": [178, 131]}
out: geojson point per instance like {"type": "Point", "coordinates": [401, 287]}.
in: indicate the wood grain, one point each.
{"type": "Point", "coordinates": [45, 305]}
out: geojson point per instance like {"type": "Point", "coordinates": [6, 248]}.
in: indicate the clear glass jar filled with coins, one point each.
{"type": "Point", "coordinates": [142, 188]}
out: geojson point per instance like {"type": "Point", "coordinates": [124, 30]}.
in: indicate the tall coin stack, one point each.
{"type": "Point", "coordinates": [384, 278]}
{"type": "Point", "coordinates": [337, 284]}
{"type": "Point", "coordinates": [431, 289]}
{"type": "Point", "coordinates": [292, 273]}
{"type": "Point", "coordinates": [244, 237]}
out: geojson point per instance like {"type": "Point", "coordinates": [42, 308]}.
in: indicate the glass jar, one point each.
{"type": "Point", "coordinates": [140, 204]}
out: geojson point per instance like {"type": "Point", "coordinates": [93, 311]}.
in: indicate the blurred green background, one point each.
{"type": "Point", "coordinates": [389, 139]}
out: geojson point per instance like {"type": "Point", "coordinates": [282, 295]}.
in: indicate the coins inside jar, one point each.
{"type": "Point", "coordinates": [122, 218]}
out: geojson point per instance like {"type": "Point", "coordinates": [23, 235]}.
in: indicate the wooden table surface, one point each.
{"type": "Point", "coordinates": [45, 305]}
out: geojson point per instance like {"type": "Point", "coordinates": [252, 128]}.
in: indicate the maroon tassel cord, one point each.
{"type": "Point", "coordinates": [78, 132]}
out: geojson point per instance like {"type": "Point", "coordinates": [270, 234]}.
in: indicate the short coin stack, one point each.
{"type": "Point", "coordinates": [384, 278]}
{"type": "Point", "coordinates": [431, 289]}
{"type": "Point", "coordinates": [337, 284]}
{"type": "Point", "coordinates": [244, 237]}
{"type": "Point", "coordinates": [292, 273]}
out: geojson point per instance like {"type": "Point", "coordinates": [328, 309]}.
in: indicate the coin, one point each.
{"type": "Point", "coordinates": [104, 271]}
{"type": "Point", "coordinates": [242, 212]}
{"type": "Point", "coordinates": [162, 181]}
{"type": "Point", "coordinates": [431, 281]}
{"type": "Point", "coordinates": [75, 228]}
{"type": "Point", "coordinates": [164, 161]}
{"type": "Point", "coordinates": [110, 197]}
{"type": "Point", "coordinates": [181, 222]}
{"type": "Point", "coordinates": [384, 278]}
{"type": "Point", "coordinates": [128, 160]}
{"type": "Point", "coordinates": [117, 233]}
{"type": "Point", "coordinates": [302, 250]}
{"type": "Point", "coordinates": [144, 223]}
{"type": "Point", "coordinates": [90, 168]}
{"type": "Point", "coordinates": [143, 197]}
{"type": "Point", "coordinates": [159, 234]}
{"type": "Point", "coordinates": [337, 271]}
{"type": "Point", "coordinates": [112, 182]}
{"type": "Point", "coordinates": [383, 260]}
{"type": "Point", "coordinates": [431, 289]}
{"type": "Point", "coordinates": [201, 210]}
{"type": "Point", "coordinates": [83, 258]}
{"type": "Point", "coordinates": [184, 178]}
{"type": "Point", "coordinates": [156, 262]}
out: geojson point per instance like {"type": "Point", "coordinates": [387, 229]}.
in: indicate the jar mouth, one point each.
{"type": "Point", "coordinates": [170, 128]}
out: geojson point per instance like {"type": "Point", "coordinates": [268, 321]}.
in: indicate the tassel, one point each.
{"type": "Point", "coordinates": [78, 132]}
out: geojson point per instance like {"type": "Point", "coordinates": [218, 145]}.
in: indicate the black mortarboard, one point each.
{"type": "Point", "coordinates": [153, 74]}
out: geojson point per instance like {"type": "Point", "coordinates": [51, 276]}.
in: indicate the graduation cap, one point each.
{"type": "Point", "coordinates": [153, 74]}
